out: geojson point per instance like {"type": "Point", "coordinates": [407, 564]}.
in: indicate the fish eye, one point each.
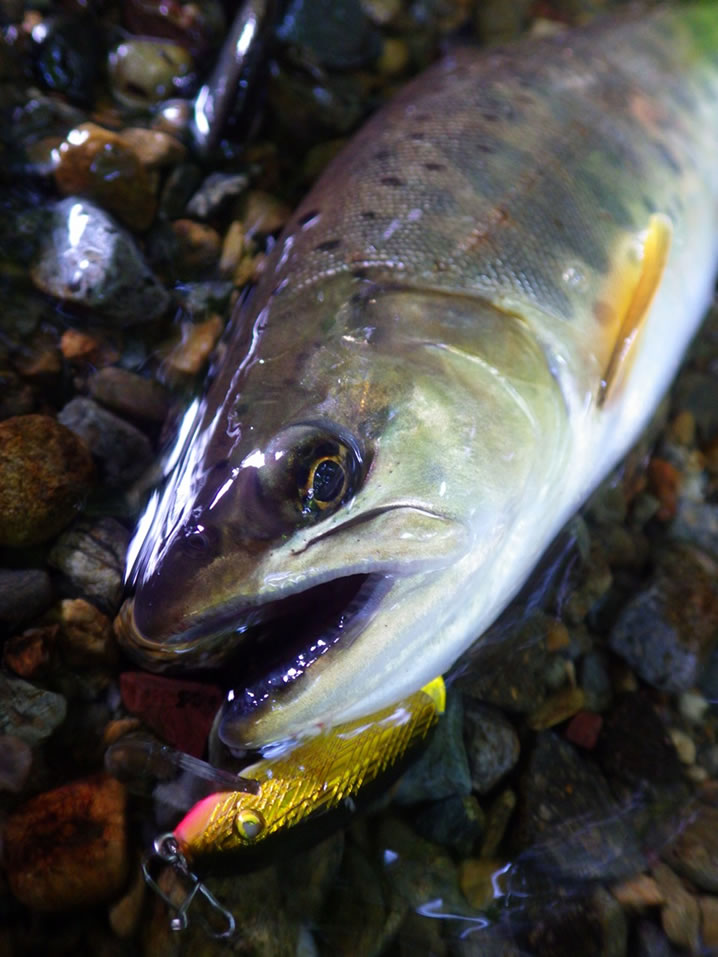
{"type": "Point", "coordinates": [327, 482]}
{"type": "Point", "coordinates": [199, 540]}
{"type": "Point", "coordinates": [249, 823]}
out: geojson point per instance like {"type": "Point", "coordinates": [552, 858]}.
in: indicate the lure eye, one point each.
{"type": "Point", "coordinates": [249, 824]}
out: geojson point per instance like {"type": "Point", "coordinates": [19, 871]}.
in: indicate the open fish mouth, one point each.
{"type": "Point", "coordinates": [263, 649]}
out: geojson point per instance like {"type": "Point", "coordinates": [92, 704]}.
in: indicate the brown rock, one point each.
{"type": "Point", "coordinates": [680, 915]}
{"type": "Point", "coordinates": [199, 246]}
{"type": "Point", "coordinates": [154, 148]}
{"type": "Point", "coordinates": [30, 655]}
{"type": "Point", "coordinates": [15, 764]}
{"type": "Point", "coordinates": [98, 164]}
{"type": "Point", "coordinates": [130, 394]}
{"type": "Point", "coordinates": [189, 355]}
{"type": "Point", "coordinates": [87, 636]}
{"type": "Point", "coordinates": [694, 852]}
{"type": "Point", "coordinates": [664, 480]}
{"type": "Point", "coordinates": [124, 915]}
{"type": "Point", "coordinates": [709, 923]}
{"type": "Point", "coordinates": [557, 708]}
{"type": "Point", "coordinates": [477, 877]}
{"type": "Point", "coordinates": [584, 728]}
{"type": "Point", "coordinates": [68, 847]}
{"type": "Point", "coordinates": [80, 347]}
{"type": "Point", "coordinates": [264, 213]}
{"type": "Point", "coordinates": [638, 893]}
{"type": "Point", "coordinates": [45, 473]}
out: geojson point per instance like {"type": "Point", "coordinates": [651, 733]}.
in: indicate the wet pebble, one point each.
{"type": "Point", "coordinates": [442, 771]}
{"type": "Point", "coordinates": [187, 357]}
{"type": "Point", "coordinates": [492, 745]}
{"type": "Point", "coordinates": [24, 594]}
{"type": "Point", "coordinates": [651, 941]}
{"type": "Point", "coordinates": [667, 631]}
{"type": "Point", "coordinates": [29, 712]}
{"type": "Point", "coordinates": [87, 638]}
{"type": "Point", "coordinates": [67, 848]}
{"type": "Point", "coordinates": [214, 194]}
{"type": "Point", "coordinates": [595, 681]}
{"type": "Point", "coordinates": [709, 923]}
{"type": "Point", "coordinates": [356, 910]}
{"type": "Point", "coordinates": [125, 914]}
{"type": "Point", "coordinates": [636, 753]}
{"type": "Point", "coordinates": [556, 930]}
{"type": "Point", "coordinates": [67, 55]}
{"type": "Point", "coordinates": [510, 673]}
{"type": "Point", "coordinates": [455, 822]}
{"type": "Point", "coordinates": [694, 852]}
{"type": "Point", "coordinates": [498, 816]}
{"type": "Point", "coordinates": [129, 394]}
{"type": "Point", "coordinates": [45, 474]}
{"type": "Point", "coordinates": [335, 33]}
{"type": "Point", "coordinates": [557, 708]}
{"type": "Point", "coordinates": [196, 26]}
{"type": "Point", "coordinates": [583, 729]}
{"type": "Point", "coordinates": [680, 915]}
{"type": "Point", "coordinates": [32, 654]}
{"type": "Point", "coordinates": [86, 258]}
{"type": "Point", "coordinates": [639, 893]}
{"type": "Point", "coordinates": [569, 822]}
{"type": "Point", "coordinates": [697, 523]}
{"type": "Point", "coordinates": [92, 555]}
{"type": "Point", "coordinates": [121, 449]}
{"type": "Point", "coordinates": [144, 71]}
{"type": "Point", "coordinates": [180, 712]}
{"type": "Point", "coordinates": [197, 248]}
{"type": "Point", "coordinates": [15, 763]}
{"type": "Point", "coordinates": [99, 164]}
{"type": "Point", "coordinates": [154, 149]}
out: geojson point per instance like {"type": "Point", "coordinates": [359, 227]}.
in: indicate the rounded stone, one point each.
{"type": "Point", "coordinates": [97, 163]}
{"type": "Point", "coordinates": [68, 847]}
{"type": "Point", "coordinates": [146, 71]}
{"type": "Point", "coordinates": [45, 474]}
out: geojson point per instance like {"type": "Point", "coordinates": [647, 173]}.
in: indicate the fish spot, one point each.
{"type": "Point", "coordinates": [359, 273]}
{"type": "Point", "coordinates": [368, 214]}
{"type": "Point", "coordinates": [328, 245]}
{"type": "Point", "coordinates": [308, 217]}
{"type": "Point", "coordinates": [382, 155]}
{"type": "Point", "coordinates": [434, 167]}
{"type": "Point", "coordinates": [418, 135]}
{"type": "Point", "coordinates": [391, 181]}
{"type": "Point", "coordinates": [668, 158]}
{"type": "Point", "coordinates": [484, 148]}
{"type": "Point", "coordinates": [603, 312]}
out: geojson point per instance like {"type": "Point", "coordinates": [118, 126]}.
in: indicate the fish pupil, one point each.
{"type": "Point", "coordinates": [327, 481]}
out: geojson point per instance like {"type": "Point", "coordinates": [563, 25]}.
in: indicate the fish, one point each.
{"type": "Point", "coordinates": [463, 327]}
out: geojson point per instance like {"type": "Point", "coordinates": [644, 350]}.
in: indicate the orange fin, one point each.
{"type": "Point", "coordinates": [633, 287]}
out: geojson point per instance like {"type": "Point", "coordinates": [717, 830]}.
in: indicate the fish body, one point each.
{"type": "Point", "coordinates": [464, 326]}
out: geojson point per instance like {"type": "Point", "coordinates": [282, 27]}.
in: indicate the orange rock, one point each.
{"type": "Point", "coordinates": [30, 654]}
{"type": "Point", "coordinates": [67, 848]}
{"type": "Point", "coordinates": [45, 473]}
{"type": "Point", "coordinates": [97, 163]}
{"type": "Point", "coordinates": [189, 355]}
{"type": "Point", "coordinates": [664, 480]}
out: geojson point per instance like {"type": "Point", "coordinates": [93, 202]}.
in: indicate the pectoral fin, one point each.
{"type": "Point", "coordinates": [629, 295]}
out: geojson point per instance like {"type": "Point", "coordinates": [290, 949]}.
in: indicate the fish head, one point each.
{"type": "Point", "coordinates": [360, 454]}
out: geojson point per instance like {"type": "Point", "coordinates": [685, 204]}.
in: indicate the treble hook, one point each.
{"type": "Point", "coordinates": [166, 849]}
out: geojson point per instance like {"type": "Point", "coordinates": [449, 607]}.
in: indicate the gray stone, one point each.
{"type": "Point", "coordinates": [595, 681]}
{"type": "Point", "coordinates": [92, 555]}
{"type": "Point", "coordinates": [694, 852]}
{"type": "Point", "coordinates": [122, 449]}
{"type": "Point", "coordinates": [667, 631]}
{"type": "Point", "coordinates": [215, 192]}
{"type": "Point", "coordinates": [456, 822]}
{"type": "Point", "coordinates": [28, 712]}
{"type": "Point", "coordinates": [443, 769]}
{"type": "Point", "coordinates": [492, 745]}
{"type": "Point", "coordinates": [87, 259]}
{"type": "Point", "coordinates": [570, 826]}
{"type": "Point", "coordinates": [697, 523]}
{"type": "Point", "coordinates": [24, 594]}
{"type": "Point", "coordinates": [15, 763]}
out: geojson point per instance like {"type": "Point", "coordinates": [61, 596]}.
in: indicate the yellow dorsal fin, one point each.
{"type": "Point", "coordinates": [632, 288]}
{"type": "Point", "coordinates": [436, 690]}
